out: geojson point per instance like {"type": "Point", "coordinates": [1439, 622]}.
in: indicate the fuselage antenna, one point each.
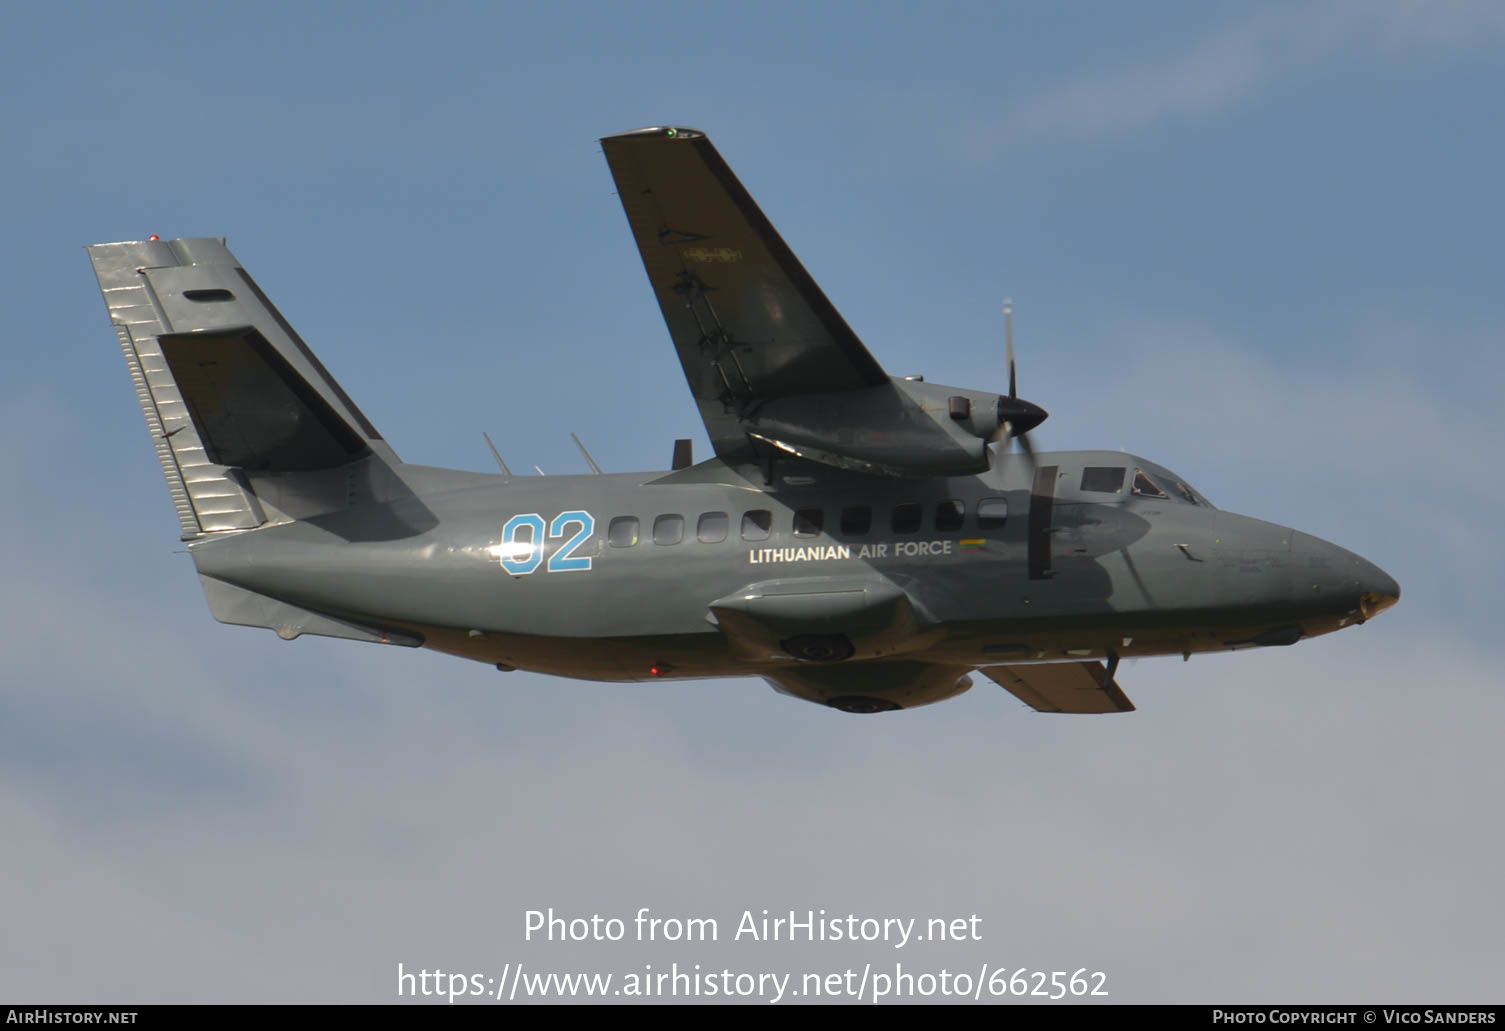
{"type": "Point", "coordinates": [594, 467]}
{"type": "Point", "coordinates": [496, 454]}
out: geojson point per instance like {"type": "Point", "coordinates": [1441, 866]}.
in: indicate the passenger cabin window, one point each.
{"type": "Point", "coordinates": [856, 521]}
{"type": "Point", "coordinates": [907, 517]}
{"type": "Point", "coordinates": [1103, 479]}
{"type": "Point", "coordinates": [949, 516]}
{"type": "Point", "coordinates": [1145, 487]}
{"type": "Point", "coordinates": [992, 513]}
{"type": "Point", "coordinates": [755, 524]}
{"type": "Point", "coordinates": [623, 531]}
{"type": "Point", "coordinates": [669, 529]}
{"type": "Point", "coordinates": [712, 528]}
{"type": "Point", "coordinates": [808, 521]}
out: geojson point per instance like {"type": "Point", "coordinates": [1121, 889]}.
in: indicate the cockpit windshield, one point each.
{"type": "Point", "coordinates": [1165, 485]}
{"type": "Point", "coordinates": [1187, 493]}
{"type": "Point", "coordinates": [1145, 487]}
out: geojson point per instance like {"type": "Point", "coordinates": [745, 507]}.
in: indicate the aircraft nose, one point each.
{"type": "Point", "coordinates": [1360, 583]}
{"type": "Point", "coordinates": [1377, 589]}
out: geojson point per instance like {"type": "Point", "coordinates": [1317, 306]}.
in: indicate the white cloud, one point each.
{"type": "Point", "coordinates": [1267, 50]}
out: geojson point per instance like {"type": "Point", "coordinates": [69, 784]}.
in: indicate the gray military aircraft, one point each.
{"type": "Point", "coordinates": [858, 540]}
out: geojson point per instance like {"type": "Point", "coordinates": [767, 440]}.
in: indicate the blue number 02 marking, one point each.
{"type": "Point", "coordinates": [517, 558]}
{"type": "Point", "coordinates": [560, 561]}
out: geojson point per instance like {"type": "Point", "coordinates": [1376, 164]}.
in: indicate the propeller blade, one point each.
{"type": "Point", "coordinates": [1008, 336]}
{"type": "Point", "coordinates": [1028, 450]}
{"type": "Point", "coordinates": [1005, 435]}
{"type": "Point", "coordinates": [1015, 418]}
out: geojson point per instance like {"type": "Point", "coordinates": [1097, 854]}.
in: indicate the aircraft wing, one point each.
{"type": "Point", "coordinates": [748, 322]}
{"type": "Point", "coordinates": [1074, 687]}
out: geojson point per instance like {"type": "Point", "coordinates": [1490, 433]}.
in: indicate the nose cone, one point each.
{"type": "Point", "coordinates": [1377, 589]}
{"type": "Point", "coordinates": [1349, 579]}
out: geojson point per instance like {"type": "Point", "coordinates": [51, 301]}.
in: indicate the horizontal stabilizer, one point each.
{"type": "Point", "coordinates": [232, 604]}
{"type": "Point", "coordinates": [1073, 687]}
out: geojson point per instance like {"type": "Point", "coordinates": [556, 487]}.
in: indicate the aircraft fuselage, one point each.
{"type": "Point", "coordinates": [614, 577]}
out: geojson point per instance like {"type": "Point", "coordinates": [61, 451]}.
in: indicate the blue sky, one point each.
{"type": "Point", "coordinates": [1260, 246]}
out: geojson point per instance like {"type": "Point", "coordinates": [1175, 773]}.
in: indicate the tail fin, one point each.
{"type": "Point", "coordinates": [232, 395]}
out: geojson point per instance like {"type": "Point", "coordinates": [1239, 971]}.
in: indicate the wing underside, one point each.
{"type": "Point", "coordinates": [1069, 687]}
{"type": "Point", "coordinates": [748, 322]}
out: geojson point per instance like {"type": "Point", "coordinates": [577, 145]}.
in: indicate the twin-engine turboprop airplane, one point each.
{"type": "Point", "coordinates": [858, 540]}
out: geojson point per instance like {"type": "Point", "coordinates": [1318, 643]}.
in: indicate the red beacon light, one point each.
{"type": "Point", "coordinates": [154, 236]}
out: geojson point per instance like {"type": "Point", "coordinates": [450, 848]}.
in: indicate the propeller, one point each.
{"type": "Point", "coordinates": [1015, 417]}
{"type": "Point", "coordinates": [1008, 343]}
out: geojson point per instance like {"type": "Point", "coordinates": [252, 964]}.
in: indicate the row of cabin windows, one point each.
{"type": "Point", "coordinates": [855, 521]}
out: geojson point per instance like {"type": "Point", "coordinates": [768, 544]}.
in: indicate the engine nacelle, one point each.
{"type": "Point", "coordinates": [824, 618]}
{"type": "Point", "coordinates": [901, 428]}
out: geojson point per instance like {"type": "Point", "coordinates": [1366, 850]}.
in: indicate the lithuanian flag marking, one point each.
{"type": "Point", "coordinates": [974, 544]}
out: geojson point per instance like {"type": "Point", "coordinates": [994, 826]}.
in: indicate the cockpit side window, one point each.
{"type": "Point", "coordinates": [1146, 487]}
{"type": "Point", "coordinates": [1103, 479]}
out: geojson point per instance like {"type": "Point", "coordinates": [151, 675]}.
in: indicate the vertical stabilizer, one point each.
{"type": "Point", "coordinates": [229, 390]}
